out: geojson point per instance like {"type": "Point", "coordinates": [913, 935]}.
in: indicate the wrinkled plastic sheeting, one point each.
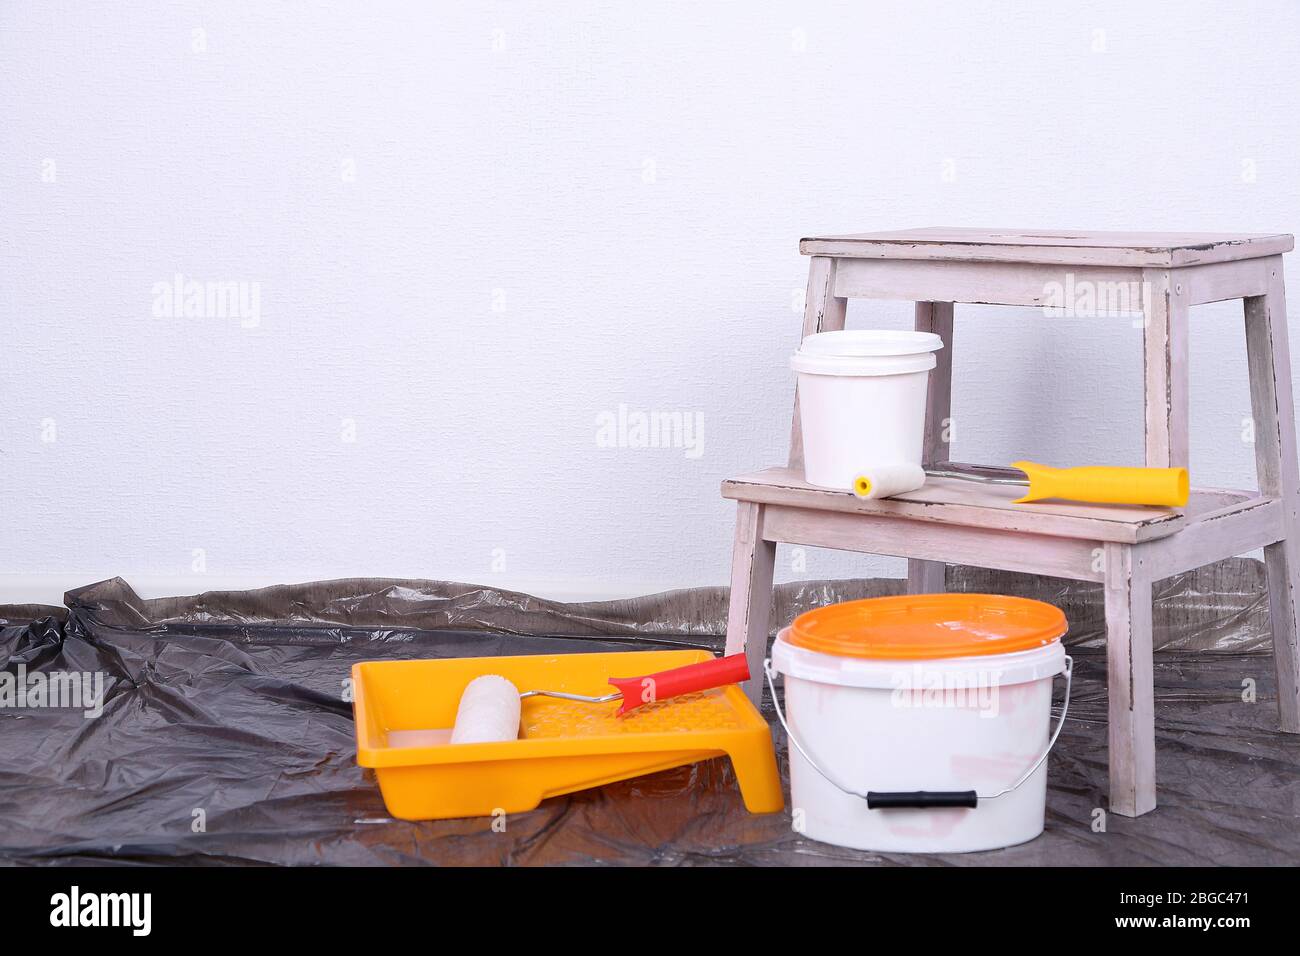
{"type": "Point", "coordinates": [226, 736]}
{"type": "Point", "coordinates": [1220, 607]}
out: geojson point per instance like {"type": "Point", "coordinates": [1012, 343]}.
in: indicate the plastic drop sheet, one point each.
{"type": "Point", "coordinates": [225, 737]}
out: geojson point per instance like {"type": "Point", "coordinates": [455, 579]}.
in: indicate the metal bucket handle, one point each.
{"type": "Point", "coordinates": [921, 799]}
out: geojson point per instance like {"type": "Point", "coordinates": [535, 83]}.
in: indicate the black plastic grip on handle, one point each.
{"type": "Point", "coordinates": [920, 799]}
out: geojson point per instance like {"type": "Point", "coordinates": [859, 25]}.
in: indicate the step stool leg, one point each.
{"type": "Point", "coordinates": [1165, 306]}
{"type": "Point", "coordinates": [753, 561]}
{"type": "Point", "coordinates": [823, 311]}
{"type": "Point", "coordinates": [927, 577]}
{"type": "Point", "coordinates": [1269, 359]}
{"type": "Point", "coordinates": [1130, 681]}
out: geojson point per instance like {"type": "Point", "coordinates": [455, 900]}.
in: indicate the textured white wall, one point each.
{"type": "Point", "coordinates": [475, 229]}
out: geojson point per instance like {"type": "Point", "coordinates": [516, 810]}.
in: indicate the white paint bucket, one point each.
{"type": "Point", "coordinates": [923, 755]}
{"type": "Point", "coordinates": [862, 401]}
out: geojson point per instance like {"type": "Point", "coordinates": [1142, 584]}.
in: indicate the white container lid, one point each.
{"type": "Point", "coordinates": [855, 342]}
{"type": "Point", "coordinates": [866, 352]}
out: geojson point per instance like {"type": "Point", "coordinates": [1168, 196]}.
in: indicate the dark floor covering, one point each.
{"type": "Point", "coordinates": [233, 704]}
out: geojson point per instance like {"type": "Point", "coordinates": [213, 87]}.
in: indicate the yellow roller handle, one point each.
{"type": "Point", "coordinates": [1106, 485]}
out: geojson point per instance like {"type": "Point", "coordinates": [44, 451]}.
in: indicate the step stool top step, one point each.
{"type": "Point", "coordinates": [1056, 246]}
{"type": "Point", "coordinates": [959, 502]}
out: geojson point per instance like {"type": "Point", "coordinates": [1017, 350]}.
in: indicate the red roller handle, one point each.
{"type": "Point", "coordinates": [680, 680]}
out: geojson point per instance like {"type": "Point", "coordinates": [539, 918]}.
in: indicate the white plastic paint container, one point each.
{"type": "Point", "coordinates": [862, 401]}
{"type": "Point", "coordinates": [893, 751]}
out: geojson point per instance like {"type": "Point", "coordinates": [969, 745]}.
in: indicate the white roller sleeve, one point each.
{"type": "Point", "coordinates": [885, 481]}
{"type": "Point", "coordinates": [488, 712]}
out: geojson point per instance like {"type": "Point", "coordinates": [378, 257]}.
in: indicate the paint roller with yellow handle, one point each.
{"type": "Point", "coordinates": [1099, 484]}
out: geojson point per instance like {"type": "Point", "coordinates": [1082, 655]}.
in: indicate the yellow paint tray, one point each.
{"type": "Point", "coordinates": [404, 711]}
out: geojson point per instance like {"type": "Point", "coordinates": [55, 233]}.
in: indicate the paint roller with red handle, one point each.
{"type": "Point", "coordinates": [489, 707]}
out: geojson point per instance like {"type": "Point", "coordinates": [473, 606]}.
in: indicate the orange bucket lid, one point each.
{"type": "Point", "coordinates": [928, 626]}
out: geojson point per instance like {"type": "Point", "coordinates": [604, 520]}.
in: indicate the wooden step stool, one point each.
{"type": "Point", "coordinates": [1126, 549]}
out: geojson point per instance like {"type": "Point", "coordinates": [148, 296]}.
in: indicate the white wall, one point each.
{"type": "Point", "coordinates": [626, 184]}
